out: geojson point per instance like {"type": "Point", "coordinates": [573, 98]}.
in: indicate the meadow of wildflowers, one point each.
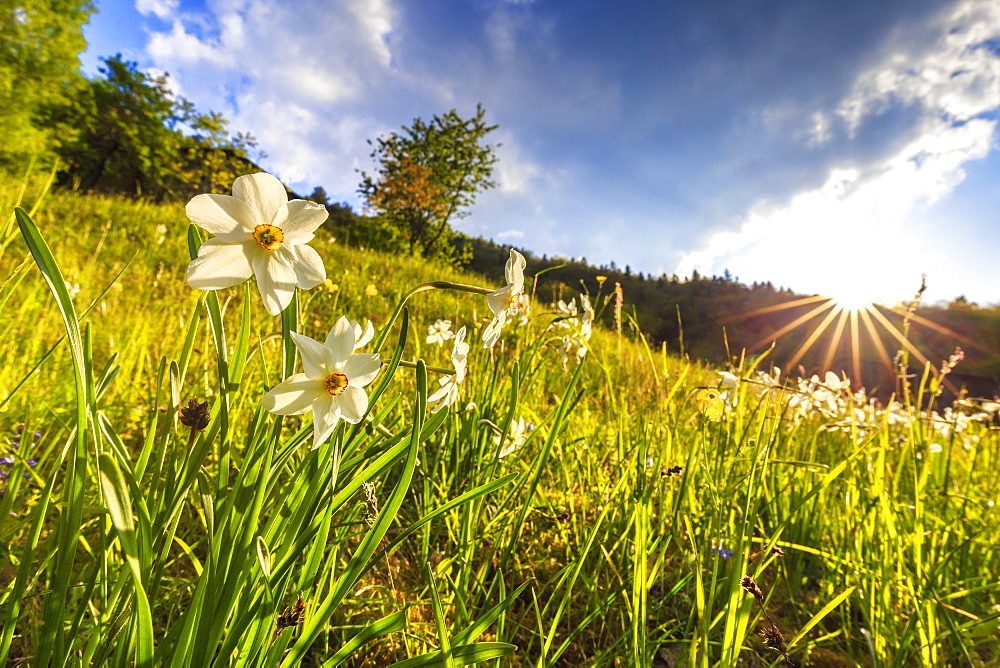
{"type": "Point", "coordinates": [263, 448]}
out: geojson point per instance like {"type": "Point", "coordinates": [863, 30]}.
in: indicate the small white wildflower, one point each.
{"type": "Point", "coordinates": [440, 332]}
{"type": "Point", "coordinates": [447, 394]}
{"type": "Point", "coordinates": [516, 435]}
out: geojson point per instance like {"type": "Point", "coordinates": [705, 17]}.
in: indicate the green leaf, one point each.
{"type": "Point", "coordinates": [393, 623]}
{"type": "Point", "coordinates": [463, 655]}
{"type": "Point", "coordinates": [119, 507]}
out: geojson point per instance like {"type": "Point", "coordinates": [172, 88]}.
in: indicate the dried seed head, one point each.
{"type": "Point", "coordinates": [776, 551]}
{"type": "Point", "coordinates": [773, 639]}
{"type": "Point", "coordinates": [619, 301]}
{"type": "Point", "coordinates": [751, 587]}
{"type": "Point", "coordinates": [289, 617]}
{"type": "Point", "coordinates": [195, 415]}
{"type": "Point", "coordinates": [372, 500]}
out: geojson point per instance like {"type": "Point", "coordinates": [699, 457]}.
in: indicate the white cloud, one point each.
{"type": "Point", "coordinates": [956, 76]}
{"type": "Point", "coordinates": [180, 46]}
{"type": "Point", "coordinates": [375, 17]}
{"type": "Point", "coordinates": [299, 76]}
{"type": "Point", "coordinates": [515, 172]}
{"type": "Point", "coordinates": [509, 234]}
{"type": "Point", "coordinates": [855, 228]}
{"type": "Point", "coordinates": [162, 9]}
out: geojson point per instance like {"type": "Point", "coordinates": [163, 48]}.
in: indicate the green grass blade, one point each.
{"type": "Point", "coordinates": [393, 623]}
{"type": "Point", "coordinates": [118, 500]}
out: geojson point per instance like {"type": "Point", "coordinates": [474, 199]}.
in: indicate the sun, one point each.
{"type": "Point", "coordinates": [853, 314]}
{"type": "Point", "coordinates": [853, 302]}
{"type": "Point", "coordinates": [852, 294]}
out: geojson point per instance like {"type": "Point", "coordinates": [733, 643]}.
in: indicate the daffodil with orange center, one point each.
{"type": "Point", "coordinates": [258, 232]}
{"type": "Point", "coordinates": [332, 383]}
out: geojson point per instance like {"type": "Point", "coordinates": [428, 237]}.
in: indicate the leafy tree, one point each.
{"type": "Point", "coordinates": [130, 138]}
{"type": "Point", "coordinates": [40, 44]}
{"type": "Point", "coordinates": [429, 174]}
{"type": "Point", "coordinates": [127, 141]}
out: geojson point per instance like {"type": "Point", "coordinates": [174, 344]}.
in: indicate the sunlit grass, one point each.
{"type": "Point", "coordinates": [590, 544]}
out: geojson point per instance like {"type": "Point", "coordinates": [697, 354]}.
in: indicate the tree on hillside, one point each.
{"type": "Point", "coordinates": [429, 174]}
{"type": "Point", "coordinates": [126, 141]}
{"type": "Point", "coordinates": [40, 44]}
{"type": "Point", "coordinates": [129, 138]}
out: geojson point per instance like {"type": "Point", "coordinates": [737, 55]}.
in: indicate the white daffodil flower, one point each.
{"type": "Point", "coordinates": [517, 434]}
{"type": "Point", "coordinates": [258, 232]}
{"type": "Point", "coordinates": [507, 300]}
{"type": "Point", "coordinates": [447, 394]}
{"type": "Point", "coordinates": [574, 346]}
{"type": "Point", "coordinates": [440, 332]}
{"type": "Point", "coordinates": [727, 379]}
{"type": "Point", "coordinates": [332, 382]}
{"type": "Point", "coordinates": [586, 327]}
{"type": "Point", "coordinates": [567, 313]}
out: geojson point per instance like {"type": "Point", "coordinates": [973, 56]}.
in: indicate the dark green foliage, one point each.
{"type": "Point", "coordinates": [129, 139]}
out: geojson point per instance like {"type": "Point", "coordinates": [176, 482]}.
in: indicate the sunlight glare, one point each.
{"type": "Point", "coordinates": [852, 294]}
{"type": "Point", "coordinates": [852, 301]}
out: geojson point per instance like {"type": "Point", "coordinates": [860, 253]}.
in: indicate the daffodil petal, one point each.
{"type": "Point", "coordinates": [361, 368]}
{"type": "Point", "coordinates": [275, 279]}
{"type": "Point", "coordinates": [309, 269]}
{"type": "Point", "coordinates": [446, 395]}
{"type": "Point", "coordinates": [492, 332]}
{"type": "Point", "coordinates": [293, 396]}
{"type": "Point", "coordinates": [363, 336]}
{"type": "Point", "coordinates": [317, 360]}
{"type": "Point", "coordinates": [499, 299]}
{"type": "Point", "coordinates": [224, 216]}
{"type": "Point", "coordinates": [299, 219]}
{"type": "Point", "coordinates": [514, 270]}
{"type": "Point", "coordinates": [326, 412]}
{"type": "Point", "coordinates": [341, 340]}
{"type": "Point", "coordinates": [353, 404]}
{"type": "Point", "coordinates": [264, 196]}
{"type": "Point", "coordinates": [219, 265]}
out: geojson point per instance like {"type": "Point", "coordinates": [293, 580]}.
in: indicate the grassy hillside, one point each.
{"type": "Point", "coordinates": [619, 527]}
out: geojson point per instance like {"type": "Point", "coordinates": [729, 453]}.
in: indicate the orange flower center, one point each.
{"type": "Point", "coordinates": [268, 237]}
{"type": "Point", "coordinates": [515, 303]}
{"type": "Point", "coordinates": [336, 384]}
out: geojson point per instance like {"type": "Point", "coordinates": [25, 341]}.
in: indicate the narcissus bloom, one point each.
{"type": "Point", "coordinates": [332, 382]}
{"type": "Point", "coordinates": [517, 434]}
{"type": "Point", "coordinates": [447, 394]}
{"type": "Point", "coordinates": [507, 300]}
{"type": "Point", "coordinates": [258, 232]}
{"type": "Point", "coordinates": [439, 332]}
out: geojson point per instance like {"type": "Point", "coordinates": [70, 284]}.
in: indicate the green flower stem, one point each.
{"type": "Point", "coordinates": [413, 365]}
{"type": "Point", "coordinates": [424, 287]}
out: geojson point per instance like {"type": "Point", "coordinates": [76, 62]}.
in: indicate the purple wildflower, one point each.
{"type": "Point", "coordinates": [721, 550]}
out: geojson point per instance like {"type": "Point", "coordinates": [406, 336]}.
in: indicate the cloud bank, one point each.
{"type": "Point", "coordinates": [855, 230]}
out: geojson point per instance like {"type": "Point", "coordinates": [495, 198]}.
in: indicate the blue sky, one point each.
{"type": "Point", "coordinates": [838, 147]}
